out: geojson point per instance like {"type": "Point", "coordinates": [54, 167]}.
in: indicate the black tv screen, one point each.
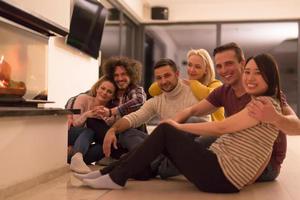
{"type": "Point", "coordinates": [86, 27]}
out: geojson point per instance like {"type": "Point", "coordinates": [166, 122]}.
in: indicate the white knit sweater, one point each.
{"type": "Point", "coordinates": [165, 105]}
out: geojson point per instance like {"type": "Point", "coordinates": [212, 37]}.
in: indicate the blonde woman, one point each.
{"type": "Point", "coordinates": [91, 105]}
{"type": "Point", "coordinates": [201, 73]}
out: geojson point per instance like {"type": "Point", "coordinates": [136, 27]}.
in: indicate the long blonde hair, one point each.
{"type": "Point", "coordinates": [93, 90]}
{"type": "Point", "coordinates": [210, 75]}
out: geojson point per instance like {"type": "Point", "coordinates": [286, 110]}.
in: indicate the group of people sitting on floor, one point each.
{"type": "Point", "coordinates": [193, 138]}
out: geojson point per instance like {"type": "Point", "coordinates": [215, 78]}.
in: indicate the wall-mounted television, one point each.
{"type": "Point", "coordinates": [86, 27]}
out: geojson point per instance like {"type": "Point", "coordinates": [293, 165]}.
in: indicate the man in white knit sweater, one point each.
{"type": "Point", "coordinates": [176, 96]}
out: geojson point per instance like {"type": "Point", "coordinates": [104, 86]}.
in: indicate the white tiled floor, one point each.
{"type": "Point", "coordinates": [68, 188]}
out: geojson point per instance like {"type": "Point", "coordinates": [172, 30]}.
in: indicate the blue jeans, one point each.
{"type": "Point", "coordinates": [73, 134]}
{"type": "Point", "coordinates": [131, 138]}
{"type": "Point", "coordinates": [84, 137]}
{"type": "Point", "coordinates": [83, 141]}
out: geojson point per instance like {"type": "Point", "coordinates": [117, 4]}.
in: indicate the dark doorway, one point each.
{"type": "Point", "coordinates": [149, 62]}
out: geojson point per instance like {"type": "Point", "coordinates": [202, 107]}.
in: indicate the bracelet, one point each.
{"type": "Point", "coordinates": [109, 111]}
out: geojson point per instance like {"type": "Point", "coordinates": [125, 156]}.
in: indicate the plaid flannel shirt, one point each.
{"type": "Point", "coordinates": [132, 99]}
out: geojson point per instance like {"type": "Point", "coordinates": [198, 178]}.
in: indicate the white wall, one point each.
{"type": "Point", "coordinates": [30, 147]}
{"type": "Point", "coordinates": [179, 10]}
{"type": "Point", "coordinates": [160, 34]}
{"type": "Point", "coordinates": [234, 10]}
{"type": "Point", "coordinates": [135, 7]}
{"type": "Point", "coordinates": [181, 57]}
{"type": "Point", "coordinates": [57, 11]}
{"type": "Point", "coordinates": [216, 10]}
{"type": "Point", "coordinates": [70, 71]}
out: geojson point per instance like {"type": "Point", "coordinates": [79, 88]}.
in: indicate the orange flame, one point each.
{"type": "Point", "coordinates": [4, 84]}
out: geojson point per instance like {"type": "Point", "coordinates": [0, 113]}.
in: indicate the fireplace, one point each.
{"type": "Point", "coordinates": [24, 55]}
{"type": "Point", "coordinates": [12, 91]}
{"type": "Point", "coordinates": [23, 65]}
{"type": "Point", "coordinates": [9, 89]}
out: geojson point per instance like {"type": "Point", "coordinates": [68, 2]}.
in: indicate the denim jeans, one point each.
{"type": "Point", "coordinates": [83, 141]}
{"type": "Point", "coordinates": [73, 134]}
{"type": "Point", "coordinates": [81, 138]}
{"type": "Point", "coordinates": [131, 138]}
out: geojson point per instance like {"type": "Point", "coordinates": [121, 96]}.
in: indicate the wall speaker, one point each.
{"type": "Point", "coordinates": [113, 14]}
{"type": "Point", "coordinates": [158, 12]}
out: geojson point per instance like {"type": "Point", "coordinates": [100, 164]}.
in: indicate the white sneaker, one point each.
{"type": "Point", "coordinates": [78, 165]}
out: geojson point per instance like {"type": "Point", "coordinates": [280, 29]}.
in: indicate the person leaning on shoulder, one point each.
{"type": "Point", "coordinates": [263, 110]}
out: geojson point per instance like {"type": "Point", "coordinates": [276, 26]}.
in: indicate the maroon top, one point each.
{"type": "Point", "coordinates": [225, 96]}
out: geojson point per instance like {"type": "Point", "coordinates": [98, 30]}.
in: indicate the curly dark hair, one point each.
{"type": "Point", "coordinates": [132, 67]}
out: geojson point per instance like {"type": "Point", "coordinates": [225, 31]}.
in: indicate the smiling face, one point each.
{"type": "Point", "coordinates": [229, 68]}
{"type": "Point", "coordinates": [196, 68]}
{"type": "Point", "coordinates": [105, 91]}
{"type": "Point", "coordinates": [166, 78]}
{"type": "Point", "coordinates": [121, 78]}
{"type": "Point", "coordinates": [253, 80]}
